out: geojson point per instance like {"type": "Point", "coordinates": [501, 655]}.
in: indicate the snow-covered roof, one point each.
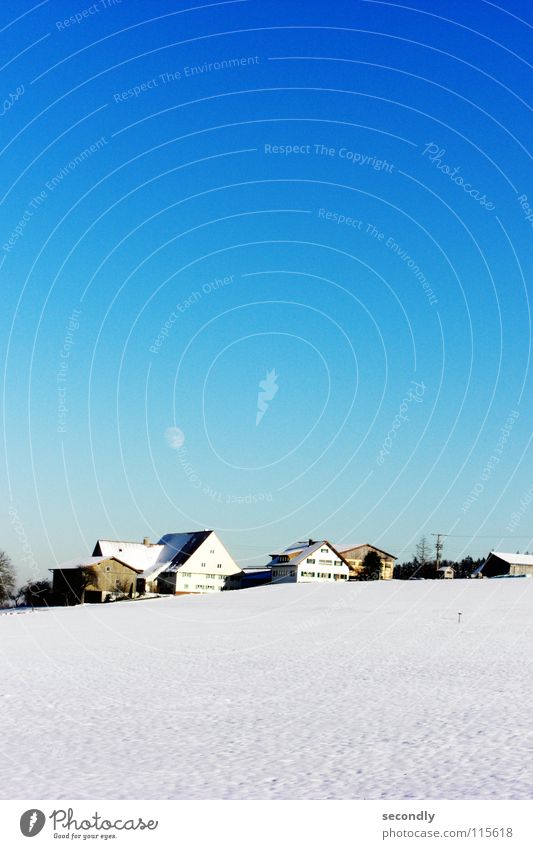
{"type": "Point", "coordinates": [292, 550]}
{"type": "Point", "coordinates": [171, 552]}
{"type": "Point", "coordinates": [506, 557]}
{"type": "Point", "coordinates": [175, 550]}
{"type": "Point", "coordinates": [310, 549]}
{"type": "Point", "coordinates": [295, 552]}
{"type": "Point", "coordinates": [88, 561]}
{"type": "Point", "coordinates": [299, 546]}
{"type": "Point", "coordinates": [519, 559]}
{"type": "Point", "coordinates": [135, 554]}
{"type": "Point", "coordinates": [302, 553]}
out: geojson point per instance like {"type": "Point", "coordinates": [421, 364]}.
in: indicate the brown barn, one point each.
{"type": "Point", "coordinates": [92, 580]}
{"type": "Point", "coordinates": [355, 554]}
{"type": "Point", "coordinates": [501, 564]}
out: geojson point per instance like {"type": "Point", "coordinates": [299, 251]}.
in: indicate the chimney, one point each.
{"type": "Point", "coordinates": [146, 541]}
{"type": "Point", "coordinates": [311, 542]}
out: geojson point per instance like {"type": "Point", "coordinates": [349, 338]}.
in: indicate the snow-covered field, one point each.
{"type": "Point", "coordinates": [318, 691]}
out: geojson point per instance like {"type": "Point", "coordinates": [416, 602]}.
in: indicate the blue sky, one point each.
{"type": "Point", "coordinates": [192, 198]}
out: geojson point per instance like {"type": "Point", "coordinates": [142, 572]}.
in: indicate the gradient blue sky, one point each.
{"type": "Point", "coordinates": [181, 191]}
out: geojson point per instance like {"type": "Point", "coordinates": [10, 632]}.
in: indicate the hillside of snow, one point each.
{"type": "Point", "coordinates": [371, 690]}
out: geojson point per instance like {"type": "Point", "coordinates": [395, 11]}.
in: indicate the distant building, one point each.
{"type": "Point", "coordinates": [92, 580]}
{"type": "Point", "coordinates": [308, 561]}
{"type": "Point", "coordinates": [195, 562]}
{"type": "Point", "coordinates": [355, 554]}
{"type": "Point", "coordinates": [255, 576]}
{"type": "Point", "coordinates": [446, 572]}
{"type": "Point", "coordinates": [499, 564]}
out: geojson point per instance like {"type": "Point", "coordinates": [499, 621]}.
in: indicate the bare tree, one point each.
{"type": "Point", "coordinates": [7, 578]}
{"type": "Point", "coordinates": [89, 575]}
{"type": "Point", "coordinates": [123, 587]}
{"type": "Point", "coordinates": [36, 593]}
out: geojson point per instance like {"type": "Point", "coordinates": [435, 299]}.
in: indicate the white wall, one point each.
{"type": "Point", "coordinates": [208, 569]}
{"type": "Point", "coordinates": [326, 565]}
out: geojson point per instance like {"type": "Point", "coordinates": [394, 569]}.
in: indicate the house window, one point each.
{"type": "Point", "coordinates": [324, 562]}
{"type": "Point", "coordinates": [219, 565]}
{"type": "Point", "coordinates": [202, 564]}
{"type": "Point", "coordinates": [323, 551]}
{"type": "Point", "coordinates": [310, 560]}
{"type": "Point", "coordinates": [293, 573]}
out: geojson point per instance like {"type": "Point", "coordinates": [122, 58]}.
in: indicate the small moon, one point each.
{"type": "Point", "coordinates": [175, 437]}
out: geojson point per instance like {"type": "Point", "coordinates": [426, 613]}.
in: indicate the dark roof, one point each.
{"type": "Point", "coordinates": [183, 545]}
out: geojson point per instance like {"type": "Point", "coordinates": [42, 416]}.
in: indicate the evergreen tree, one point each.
{"type": "Point", "coordinates": [422, 552]}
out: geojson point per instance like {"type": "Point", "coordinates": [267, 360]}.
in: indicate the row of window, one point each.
{"type": "Point", "coordinates": [284, 573]}
{"type": "Point", "coordinates": [325, 575]}
{"type": "Point", "coordinates": [233, 581]}
{"type": "Point", "coordinates": [323, 562]}
{"type": "Point", "coordinates": [189, 574]}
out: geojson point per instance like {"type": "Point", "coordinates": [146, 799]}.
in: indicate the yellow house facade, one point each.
{"type": "Point", "coordinates": [355, 554]}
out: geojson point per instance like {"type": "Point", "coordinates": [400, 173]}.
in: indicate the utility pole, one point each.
{"type": "Point", "coordinates": [438, 548]}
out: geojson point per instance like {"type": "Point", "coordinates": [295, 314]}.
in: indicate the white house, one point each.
{"type": "Point", "coordinates": [308, 561]}
{"type": "Point", "coordinates": [192, 562]}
